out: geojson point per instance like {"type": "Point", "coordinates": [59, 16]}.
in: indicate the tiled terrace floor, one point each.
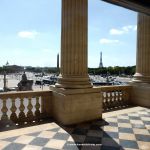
{"type": "Point", "coordinates": [121, 130]}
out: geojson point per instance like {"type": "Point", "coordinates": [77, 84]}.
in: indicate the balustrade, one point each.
{"type": "Point", "coordinates": [21, 107]}
{"type": "Point", "coordinates": [115, 97]}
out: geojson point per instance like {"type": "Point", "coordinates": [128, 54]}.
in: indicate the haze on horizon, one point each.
{"type": "Point", "coordinates": [30, 33]}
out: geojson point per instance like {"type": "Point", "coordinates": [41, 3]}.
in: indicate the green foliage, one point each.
{"type": "Point", "coordinates": [42, 69]}
{"type": "Point", "coordinates": [11, 69]}
{"type": "Point", "coordinates": [130, 70]}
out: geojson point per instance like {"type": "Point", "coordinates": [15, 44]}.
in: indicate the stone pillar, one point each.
{"type": "Point", "coordinates": [74, 39]}
{"type": "Point", "coordinates": [143, 49]}
{"type": "Point", "coordinates": [141, 82]}
{"type": "Point", "coordinates": [74, 100]}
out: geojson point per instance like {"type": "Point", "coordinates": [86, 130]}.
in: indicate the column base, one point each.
{"type": "Point", "coordinates": [73, 82]}
{"type": "Point", "coordinates": [140, 94]}
{"type": "Point", "coordinates": [72, 106]}
{"type": "Point", "coordinates": [139, 78]}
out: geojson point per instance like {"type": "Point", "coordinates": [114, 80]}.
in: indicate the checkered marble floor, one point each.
{"type": "Point", "coordinates": [126, 131]}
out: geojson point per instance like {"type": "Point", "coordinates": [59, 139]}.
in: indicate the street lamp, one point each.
{"type": "Point", "coordinates": [5, 79]}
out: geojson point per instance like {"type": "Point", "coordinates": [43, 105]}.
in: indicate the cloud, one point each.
{"type": "Point", "coordinates": [108, 41]}
{"type": "Point", "coordinates": [123, 30]}
{"type": "Point", "coordinates": [28, 34]}
{"type": "Point", "coordinates": [116, 32]}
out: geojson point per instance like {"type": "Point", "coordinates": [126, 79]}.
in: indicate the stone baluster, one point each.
{"type": "Point", "coordinates": [22, 116]}
{"type": "Point", "coordinates": [104, 100]}
{"type": "Point", "coordinates": [115, 101]}
{"type": "Point", "coordinates": [4, 110]}
{"type": "Point", "coordinates": [30, 116]}
{"type": "Point", "coordinates": [117, 98]}
{"type": "Point", "coordinates": [37, 107]}
{"type": "Point", "coordinates": [124, 97]}
{"type": "Point", "coordinates": [120, 97]}
{"type": "Point", "coordinates": [111, 99]}
{"type": "Point", "coordinates": [107, 102]}
{"type": "Point", "coordinates": [13, 109]}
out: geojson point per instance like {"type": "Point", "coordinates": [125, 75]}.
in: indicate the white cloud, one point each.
{"type": "Point", "coordinates": [116, 32]}
{"type": "Point", "coordinates": [108, 41]}
{"type": "Point", "coordinates": [28, 34]}
{"type": "Point", "coordinates": [123, 30]}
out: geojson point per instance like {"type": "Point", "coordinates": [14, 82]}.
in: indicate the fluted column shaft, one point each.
{"type": "Point", "coordinates": [143, 49]}
{"type": "Point", "coordinates": [74, 39]}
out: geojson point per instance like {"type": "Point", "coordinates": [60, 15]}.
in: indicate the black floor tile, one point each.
{"type": "Point", "coordinates": [93, 140]}
{"type": "Point", "coordinates": [113, 124]}
{"type": "Point", "coordinates": [109, 148]}
{"type": "Point", "coordinates": [111, 134]}
{"type": "Point", "coordinates": [144, 115]}
{"type": "Point", "coordinates": [123, 121]}
{"type": "Point", "coordinates": [95, 127]}
{"type": "Point", "coordinates": [129, 144]}
{"type": "Point", "coordinates": [34, 134]}
{"type": "Point", "coordinates": [14, 146]}
{"type": "Point", "coordinates": [139, 126]}
{"type": "Point", "coordinates": [70, 146]}
{"type": "Point", "coordinates": [61, 136]}
{"type": "Point", "coordinates": [39, 141]}
{"type": "Point", "coordinates": [146, 122]}
{"type": "Point", "coordinates": [134, 118]}
{"type": "Point", "coordinates": [141, 137]}
{"type": "Point", "coordinates": [124, 115]}
{"type": "Point", "coordinates": [125, 130]}
{"type": "Point", "coordinates": [11, 139]}
{"type": "Point", "coordinates": [54, 130]}
{"type": "Point", "coordinates": [80, 131]}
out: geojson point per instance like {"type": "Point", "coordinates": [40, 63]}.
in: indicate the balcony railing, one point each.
{"type": "Point", "coordinates": [21, 107]}
{"type": "Point", "coordinates": [29, 106]}
{"type": "Point", "coordinates": [115, 97]}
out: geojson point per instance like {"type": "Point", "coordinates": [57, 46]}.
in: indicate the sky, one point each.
{"type": "Point", "coordinates": [30, 32]}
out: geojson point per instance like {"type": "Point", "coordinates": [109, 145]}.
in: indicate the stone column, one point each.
{"type": "Point", "coordinates": [143, 49]}
{"type": "Point", "coordinates": [72, 95]}
{"type": "Point", "coordinates": [141, 82]}
{"type": "Point", "coordinates": [74, 39]}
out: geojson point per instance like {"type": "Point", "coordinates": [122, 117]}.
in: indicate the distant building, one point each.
{"type": "Point", "coordinates": [7, 63]}
{"type": "Point", "coordinates": [101, 61]}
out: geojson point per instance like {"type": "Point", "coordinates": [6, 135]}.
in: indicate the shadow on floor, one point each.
{"type": "Point", "coordinates": [10, 125]}
{"type": "Point", "coordinates": [119, 107]}
{"type": "Point", "coordinates": [91, 136]}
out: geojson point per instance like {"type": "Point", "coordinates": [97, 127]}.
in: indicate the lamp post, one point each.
{"type": "Point", "coordinates": [5, 80]}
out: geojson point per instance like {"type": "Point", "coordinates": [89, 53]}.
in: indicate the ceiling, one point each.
{"type": "Point", "coordinates": [142, 6]}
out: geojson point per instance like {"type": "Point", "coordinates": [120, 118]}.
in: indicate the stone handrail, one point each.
{"type": "Point", "coordinates": [28, 106]}
{"type": "Point", "coordinates": [114, 97]}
